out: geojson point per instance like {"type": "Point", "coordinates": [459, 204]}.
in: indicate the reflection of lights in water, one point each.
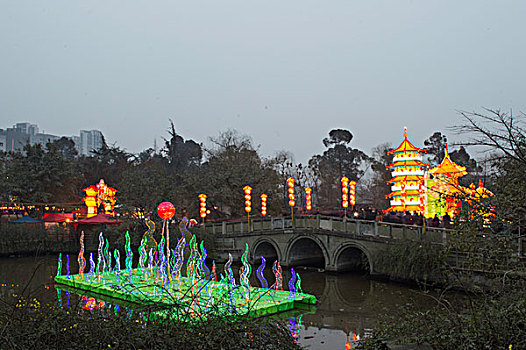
{"type": "Point", "coordinates": [295, 326]}
{"type": "Point", "coordinates": [68, 295]}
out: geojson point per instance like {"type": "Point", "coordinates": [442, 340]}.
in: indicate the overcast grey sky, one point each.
{"type": "Point", "coordinates": [282, 71]}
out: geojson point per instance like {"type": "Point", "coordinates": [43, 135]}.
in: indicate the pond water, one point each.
{"type": "Point", "coordinates": [349, 305]}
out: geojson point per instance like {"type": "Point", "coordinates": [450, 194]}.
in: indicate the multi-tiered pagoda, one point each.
{"type": "Point", "coordinates": [407, 184]}
{"type": "Point", "coordinates": [442, 185]}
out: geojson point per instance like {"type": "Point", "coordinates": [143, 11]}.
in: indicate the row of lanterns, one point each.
{"type": "Point", "coordinates": [348, 197]}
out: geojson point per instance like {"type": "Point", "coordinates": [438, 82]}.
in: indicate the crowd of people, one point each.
{"type": "Point", "coordinates": [395, 217]}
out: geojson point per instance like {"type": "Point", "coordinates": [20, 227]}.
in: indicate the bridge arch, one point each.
{"type": "Point", "coordinates": [267, 248]}
{"type": "Point", "coordinates": [352, 256]}
{"type": "Point", "coordinates": [307, 249]}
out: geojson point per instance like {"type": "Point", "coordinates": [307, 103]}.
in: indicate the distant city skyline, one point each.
{"type": "Point", "coordinates": [22, 133]}
{"type": "Point", "coordinates": [283, 72]}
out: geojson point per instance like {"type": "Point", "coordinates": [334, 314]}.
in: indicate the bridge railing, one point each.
{"type": "Point", "coordinates": [328, 223]}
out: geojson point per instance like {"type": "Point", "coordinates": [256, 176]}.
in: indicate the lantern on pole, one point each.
{"type": "Point", "coordinates": [202, 206]}
{"type": "Point", "coordinates": [308, 201]}
{"type": "Point", "coordinates": [352, 193]}
{"type": "Point", "coordinates": [290, 184]}
{"type": "Point", "coordinates": [345, 196]}
{"type": "Point", "coordinates": [248, 204]}
{"type": "Point", "coordinates": [264, 204]}
{"type": "Point", "coordinates": [166, 211]}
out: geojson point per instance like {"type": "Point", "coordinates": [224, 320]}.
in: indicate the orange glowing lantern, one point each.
{"type": "Point", "coordinates": [202, 205]}
{"type": "Point", "coordinates": [308, 197]}
{"type": "Point", "coordinates": [264, 204]}
{"type": "Point", "coordinates": [345, 192]}
{"type": "Point", "coordinates": [290, 183]}
{"type": "Point", "coordinates": [352, 193]}
{"type": "Point", "coordinates": [248, 203]}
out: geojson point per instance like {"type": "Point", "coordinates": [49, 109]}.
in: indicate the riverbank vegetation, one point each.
{"type": "Point", "coordinates": [26, 324]}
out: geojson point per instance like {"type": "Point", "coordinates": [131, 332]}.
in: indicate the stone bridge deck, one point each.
{"type": "Point", "coordinates": [330, 243]}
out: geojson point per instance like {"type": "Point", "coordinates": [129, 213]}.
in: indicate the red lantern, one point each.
{"type": "Point", "coordinates": [248, 203]}
{"type": "Point", "coordinates": [166, 210]}
{"type": "Point", "coordinates": [263, 204]}
{"type": "Point", "coordinates": [345, 190]}
{"type": "Point", "coordinates": [202, 205]}
{"type": "Point", "coordinates": [352, 192]}
{"type": "Point", "coordinates": [308, 203]}
{"type": "Point", "coordinates": [290, 183]}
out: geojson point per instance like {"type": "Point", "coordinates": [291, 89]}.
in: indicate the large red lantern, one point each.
{"type": "Point", "coordinates": [166, 210]}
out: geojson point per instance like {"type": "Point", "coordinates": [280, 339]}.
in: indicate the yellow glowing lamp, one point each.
{"type": "Point", "coordinates": [290, 184]}
{"type": "Point", "coordinates": [308, 197]}
{"type": "Point", "coordinates": [264, 204]}
{"type": "Point", "coordinates": [202, 205]}
{"type": "Point", "coordinates": [248, 204]}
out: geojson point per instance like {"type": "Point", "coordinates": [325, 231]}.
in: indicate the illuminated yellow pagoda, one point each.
{"type": "Point", "coordinates": [408, 171]}
{"type": "Point", "coordinates": [442, 184]}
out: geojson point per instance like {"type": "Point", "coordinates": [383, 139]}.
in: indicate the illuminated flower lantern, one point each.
{"type": "Point", "coordinates": [166, 211]}
{"type": "Point", "coordinates": [290, 184]}
{"type": "Point", "coordinates": [308, 198]}
{"type": "Point", "coordinates": [264, 204]}
{"type": "Point", "coordinates": [407, 170]}
{"type": "Point", "coordinates": [202, 206]}
{"type": "Point", "coordinates": [442, 184]}
{"type": "Point", "coordinates": [91, 200]}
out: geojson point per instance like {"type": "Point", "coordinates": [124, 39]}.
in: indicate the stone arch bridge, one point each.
{"type": "Point", "coordinates": [332, 244]}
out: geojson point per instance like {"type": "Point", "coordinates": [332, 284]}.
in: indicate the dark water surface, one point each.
{"type": "Point", "coordinates": [348, 304]}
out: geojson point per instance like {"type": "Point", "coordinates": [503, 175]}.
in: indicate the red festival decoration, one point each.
{"type": "Point", "coordinates": [248, 203]}
{"type": "Point", "coordinates": [202, 205]}
{"type": "Point", "coordinates": [264, 204]}
{"type": "Point", "coordinates": [290, 183]}
{"type": "Point", "coordinates": [100, 195]}
{"type": "Point", "coordinates": [345, 192]}
{"type": "Point", "coordinates": [166, 210]}
{"type": "Point", "coordinates": [308, 197]}
{"type": "Point", "coordinates": [352, 193]}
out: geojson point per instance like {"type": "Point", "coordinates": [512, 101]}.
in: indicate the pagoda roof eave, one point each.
{"type": "Point", "coordinates": [406, 178]}
{"type": "Point", "coordinates": [406, 163]}
{"type": "Point", "coordinates": [406, 146]}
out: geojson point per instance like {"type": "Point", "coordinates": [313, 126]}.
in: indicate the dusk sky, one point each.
{"type": "Point", "coordinates": [284, 72]}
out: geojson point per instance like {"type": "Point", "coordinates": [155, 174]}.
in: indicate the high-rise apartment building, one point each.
{"type": "Point", "coordinates": [14, 139]}
{"type": "Point", "coordinates": [90, 140]}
